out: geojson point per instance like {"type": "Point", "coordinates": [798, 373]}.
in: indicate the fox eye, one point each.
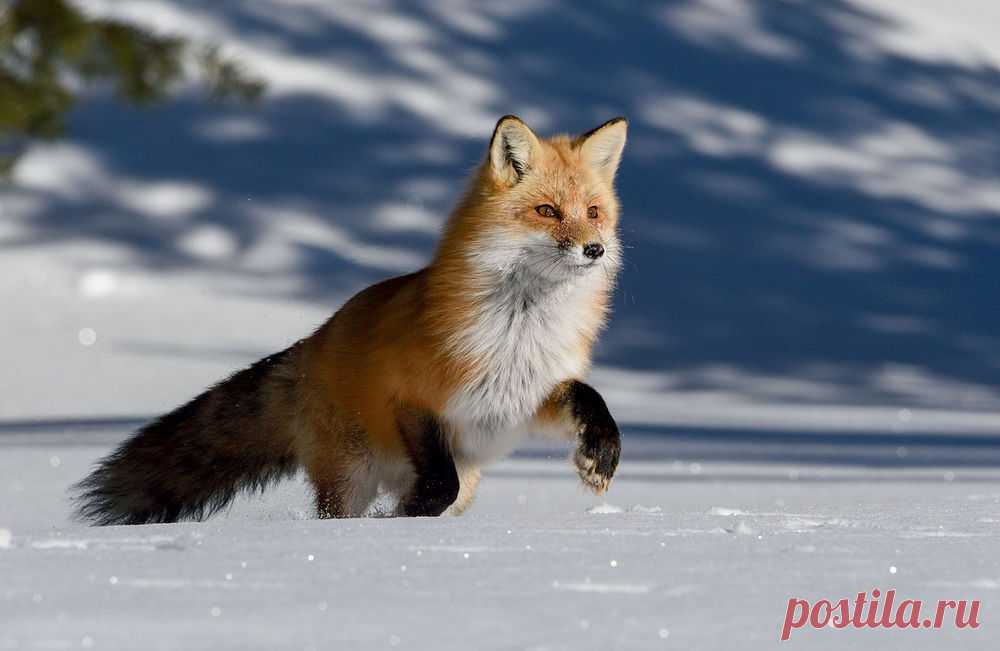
{"type": "Point", "coordinates": [545, 210]}
{"type": "Point", "coordinates": [592, 212]}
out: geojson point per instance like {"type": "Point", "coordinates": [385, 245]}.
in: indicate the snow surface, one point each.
{"type": "Point", "coordinates": [679, 555]}
{"type": "Point", "coordinates": [804, 353]}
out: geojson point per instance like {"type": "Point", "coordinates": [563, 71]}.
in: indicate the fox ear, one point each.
{"type": "Point", "coordinates": [602, 147]}
{"type": "Point", "coordinates": [513, 149]}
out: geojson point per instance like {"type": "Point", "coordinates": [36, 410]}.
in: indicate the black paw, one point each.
{"type": "Point", "coordinates": [597, 454]}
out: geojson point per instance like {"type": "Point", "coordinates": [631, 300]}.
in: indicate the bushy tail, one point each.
{"type": "Point", "coordinates": [193, 461]}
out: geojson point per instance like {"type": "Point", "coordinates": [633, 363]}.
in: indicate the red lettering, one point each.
{"type": "Point", "coordinates": [815, 619]}
{"type": "Point", "coordinates": [842, 619]}
{"type": "Point", "coordinates": [870, 621]}
{"type": "Point", "coordinates": [940, 612]}
{"type": "Point", "coordinates": [887, 609]}
{"type": "Point", "coordinates": [866, 614]}
{"type": "Point", "coordinates": [973, 620]}
{"type": "Point", "coordinates": [913, 621]}
{"type": "Point", "coordinates": [859, 605]}
{"type": "Point", "coordinates": [794, 605]}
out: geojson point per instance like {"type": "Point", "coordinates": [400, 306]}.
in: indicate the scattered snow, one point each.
{"type": "Point", "coordinates": [639, 508]}
{"type": "Point", "coordinates": [607, 588]}
{"type": "Point", "coordinates": [726, 511]}
{"type": "Point", "coordinates": [941, 534]}
{"type": "Point", "coordinates": [604, 508]}
{"type": "Point", "coordinates": [744, 529]}
{"type": "Point", "coordinates": [87, 336]}
{"type": "Point", "coordinates": [150, 543]}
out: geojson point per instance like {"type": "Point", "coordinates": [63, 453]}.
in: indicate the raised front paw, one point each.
{"type": "Point", "coordinates": [597, 454]}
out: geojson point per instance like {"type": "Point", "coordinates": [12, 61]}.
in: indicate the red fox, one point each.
{"type": "Point", "coordinates": [417, 381]}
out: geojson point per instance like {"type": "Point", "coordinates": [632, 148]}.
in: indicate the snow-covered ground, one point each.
{"type": "Point", "coordinates": [805, 351]}
{"type": "Point", "coordinates": [686, 555]}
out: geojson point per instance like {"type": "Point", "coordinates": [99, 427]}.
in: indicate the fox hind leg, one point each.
{"type": "Point", "coordinates": [344, 491]}
{"type": "Point", "coordinates": [330, 501]}
{"type": "Point", "coordinates": [343, 476]}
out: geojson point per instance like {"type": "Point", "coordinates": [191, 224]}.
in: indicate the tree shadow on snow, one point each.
{"type": "Point", "coordinates": [798, 203]}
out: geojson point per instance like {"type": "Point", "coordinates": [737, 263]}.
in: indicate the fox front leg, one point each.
{"type": "Point", "coordinates": [436, 484]}
{"type": "Point", "coordinates": [578, 410]}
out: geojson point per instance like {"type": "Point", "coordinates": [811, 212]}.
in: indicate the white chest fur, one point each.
{"type": "Point", "coordinates": [525, 339]}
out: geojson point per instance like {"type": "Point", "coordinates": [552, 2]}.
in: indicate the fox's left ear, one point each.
{"type": "Point", "coordinates": [602, 147]}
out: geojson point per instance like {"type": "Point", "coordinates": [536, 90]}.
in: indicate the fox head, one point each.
{"type": "Point", "coordinates": [544, 207]}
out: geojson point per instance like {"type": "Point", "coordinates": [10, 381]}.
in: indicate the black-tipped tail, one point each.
{"type": "Point", "coordinates": [193, 461]}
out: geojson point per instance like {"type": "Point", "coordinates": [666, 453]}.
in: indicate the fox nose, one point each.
{"type": "Point", "coordinates": [593, 250]}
